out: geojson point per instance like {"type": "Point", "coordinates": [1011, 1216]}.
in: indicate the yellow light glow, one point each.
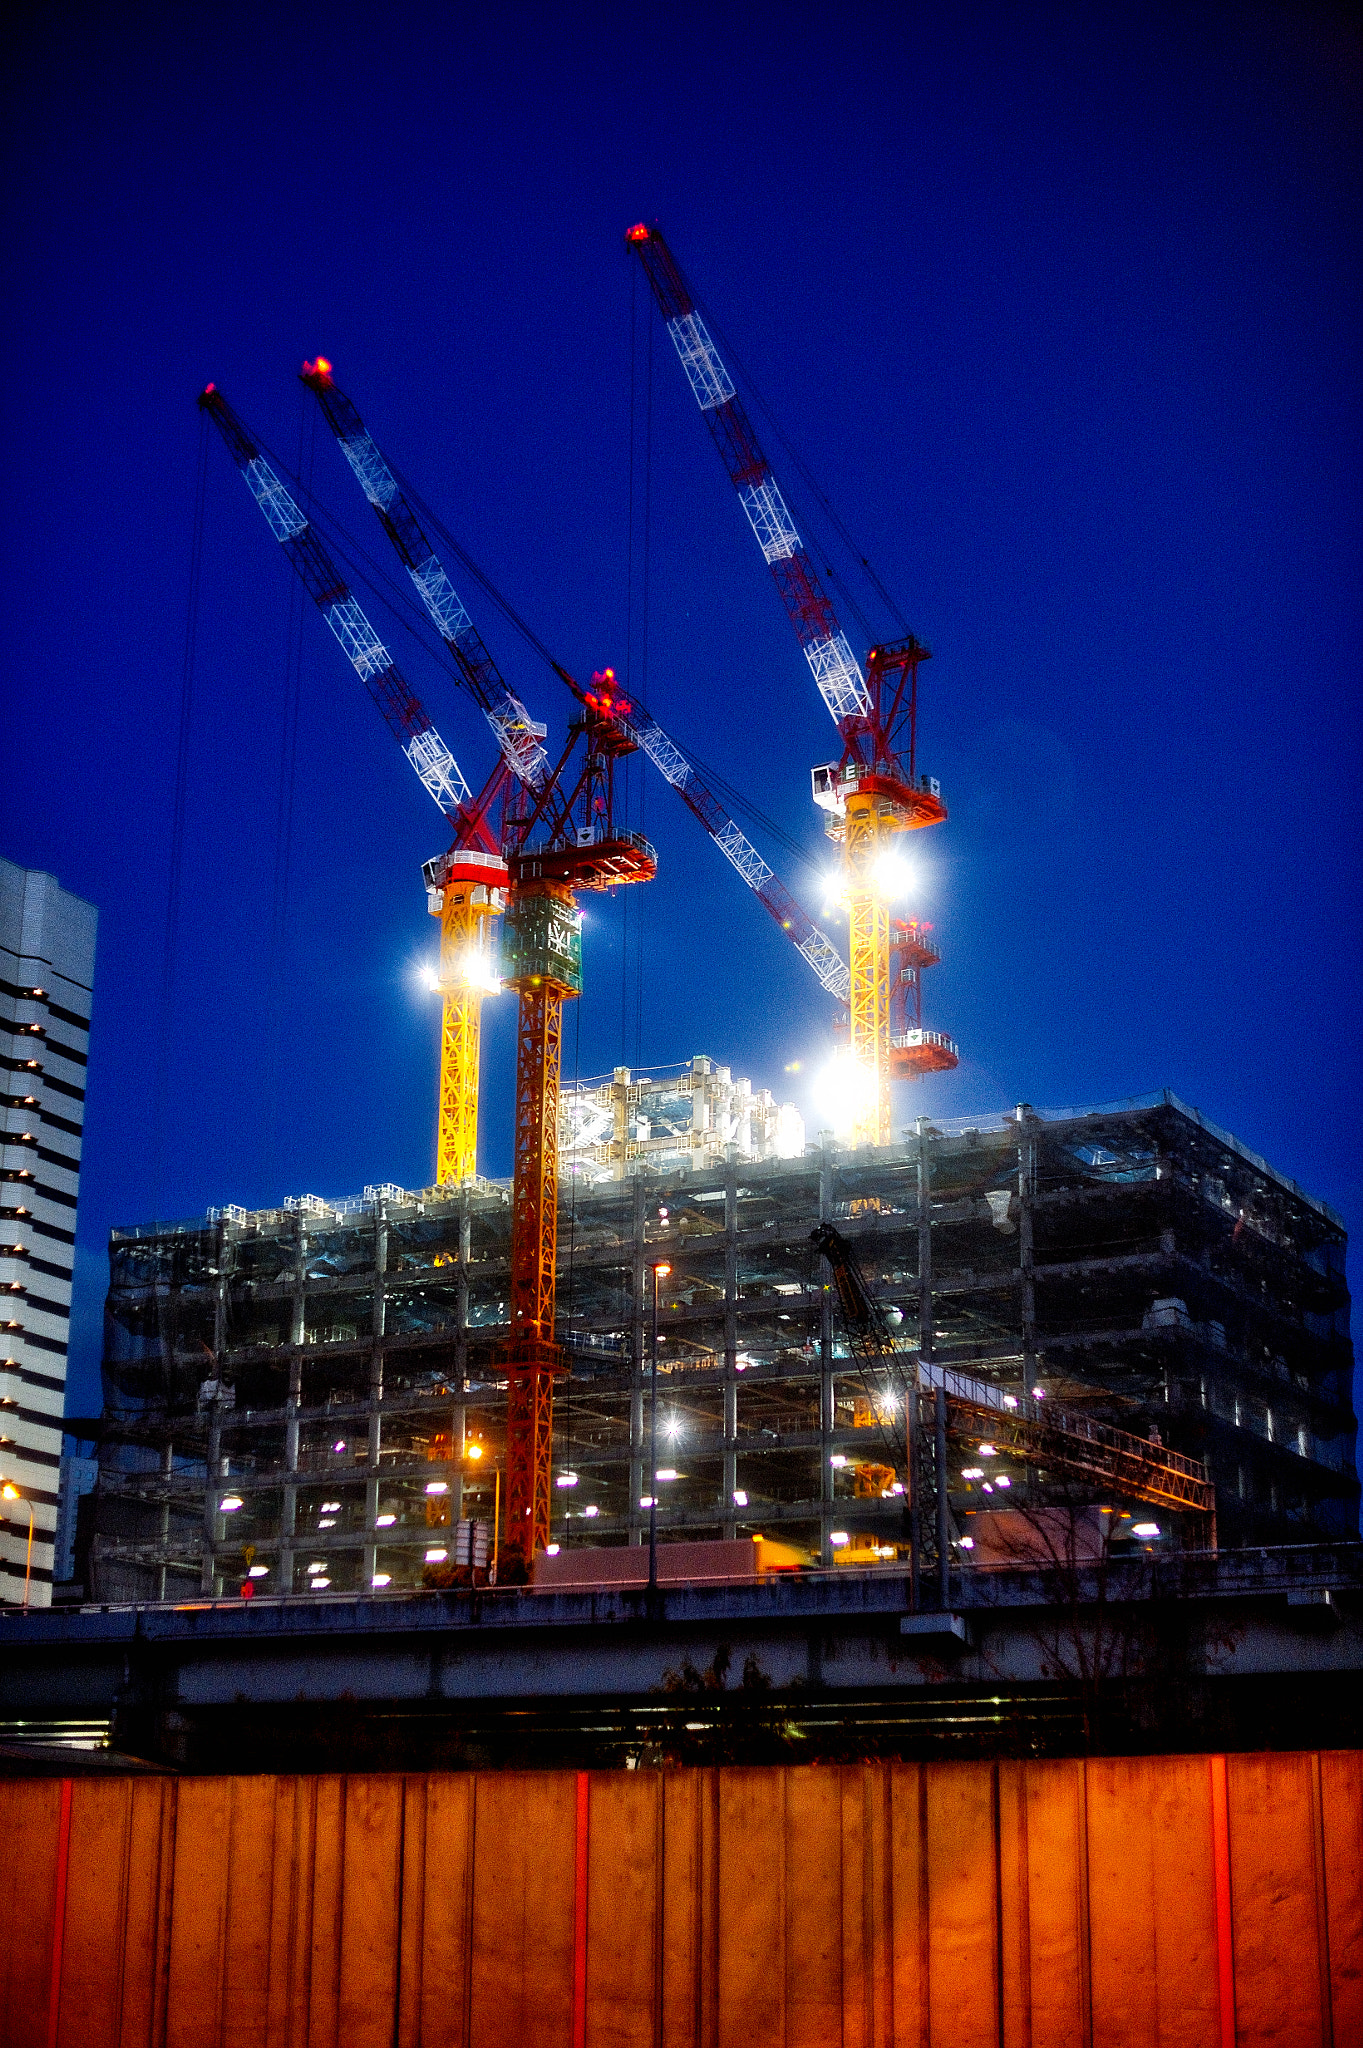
{"type": "Point", "coordinates": [844, 1093]}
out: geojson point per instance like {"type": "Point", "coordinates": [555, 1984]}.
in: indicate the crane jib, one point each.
{"type": "Point", "coordinates": [402, 709]}
{"type": "Point", "coordinates": [518, 736]}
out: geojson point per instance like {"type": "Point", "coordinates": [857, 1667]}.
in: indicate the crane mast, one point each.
{"type": "Point", "coordinates": [873, 793]}
{"type": "Point", "coordinates": [466, 887]}
{"type": "Point", "coordinates": [568, 844]}
{"type": "Point", "coordinates": [560, 840]}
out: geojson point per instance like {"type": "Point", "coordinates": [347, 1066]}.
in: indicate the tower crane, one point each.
{"type": "Point", "coordinates": [558, 841]}
{"type": "Point", "coordinates": [508, 716]}
{"type": "Point", "coordinates": [467, 886]}
{"type": "Point", "coordinates": [875, 791]}
{"type": "Point", "coordinates": [567, 844]}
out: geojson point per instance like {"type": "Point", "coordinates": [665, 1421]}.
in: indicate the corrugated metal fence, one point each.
{"type": "Point", "coordinates": [1134, 1903]}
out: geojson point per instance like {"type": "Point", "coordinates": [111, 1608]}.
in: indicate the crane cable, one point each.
{"type": "Point", "coordinates": [277, 957]}
{"type": "Point", "coordinates": [404, 608]}
{"type": "Point", "coordinates": [812, 484]}
{"type": "Point", "coordinates": [177, 827]}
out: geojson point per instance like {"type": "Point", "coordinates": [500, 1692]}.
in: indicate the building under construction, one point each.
{"type": "Point", "coordinates": [1130, 1270]}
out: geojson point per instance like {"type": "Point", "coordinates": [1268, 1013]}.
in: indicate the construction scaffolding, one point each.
{"type": "Point", "coordinates": [312, 1397]}
{"type": "Point", "coordinates": [670, 1120]}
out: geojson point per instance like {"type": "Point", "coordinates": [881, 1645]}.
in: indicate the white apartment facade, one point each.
{"type": "Point", "coordinates": [47, 957]}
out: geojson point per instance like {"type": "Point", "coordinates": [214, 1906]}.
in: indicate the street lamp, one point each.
{"type": "Point", "coordinates": [11, 1492]}
{"type": "Point", "coordinates": [660, 1272]}
{"type": "Point", "coordinates": [474, 1450]}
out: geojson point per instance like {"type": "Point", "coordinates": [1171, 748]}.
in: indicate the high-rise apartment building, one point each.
{"type": "Point", "coordinates": [47, 959]}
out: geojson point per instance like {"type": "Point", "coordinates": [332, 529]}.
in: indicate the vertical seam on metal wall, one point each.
{"type": "Point", "coordinates": [996, 1806]}
{"type": "Point", "coordinates": [165, 1894]}
{"type": "Point", "coordinates": [1085, 1910]}
{"type": "Point", "coordinates": [125, 1897]}
{"type": "Point", "coordinates": [581, 1854]}
{"type": "Point", "coordinates": [924, 1914]}
{"type": "Point", "coordinates": [471, 1847]}
{"type": "Point", "coordinates": [54, 1989]}
{"type": "Point", "coordinates": [402, 1901]}
{"type": "Point", "coordinates": [659, 1903]}
{"type": "Point", "coordinates": [1225, 1953]}
{"type": "Point", "coordinates": [1327, 2020]}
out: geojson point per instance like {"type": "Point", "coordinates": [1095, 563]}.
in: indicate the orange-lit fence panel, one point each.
{"type": "Point", "coordinates": [1155, 1902]}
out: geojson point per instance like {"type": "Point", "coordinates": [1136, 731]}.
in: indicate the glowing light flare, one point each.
{"type": "Point", "coordinates": [894, 876]}
{"type": "Point", "coordinates": [845, 1093]}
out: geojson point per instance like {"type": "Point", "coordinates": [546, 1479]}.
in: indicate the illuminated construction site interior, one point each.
{"type": "Point", "coordinates": [339, 1370]}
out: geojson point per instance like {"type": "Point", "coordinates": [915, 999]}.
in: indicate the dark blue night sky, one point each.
{"type": "Point", "coordinates": [1061, 306]}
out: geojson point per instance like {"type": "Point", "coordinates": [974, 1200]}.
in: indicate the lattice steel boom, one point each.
{"type": "Point", "coordinates": [874, 792]}
{"type": "Point", "coordinates": [472, 878]}
{"type": "Point", "coordinates": [519, 737]}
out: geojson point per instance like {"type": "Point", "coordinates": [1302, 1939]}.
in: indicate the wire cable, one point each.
{"type": "Point", "coordinates": [806, 474]}
{"type": "Point", "coordinates": [179, 807]}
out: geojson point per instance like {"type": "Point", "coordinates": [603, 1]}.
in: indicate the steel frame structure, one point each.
{"type": "Point", "coordinates": [383, 1322]}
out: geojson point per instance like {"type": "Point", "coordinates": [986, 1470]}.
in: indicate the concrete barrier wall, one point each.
{"type": "Point", "coordinates": [1166, 1902]}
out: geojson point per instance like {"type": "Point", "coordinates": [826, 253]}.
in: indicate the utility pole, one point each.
{"type": "Point", "coordinates": [660, 1271]}
{"type": "Point", "coordinates": [1026, 1119]}
{"type": "Point", "coordinates": [924, 1359]}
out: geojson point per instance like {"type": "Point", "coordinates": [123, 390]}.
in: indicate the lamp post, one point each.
{"type": "Point", "coordinates": [11, 1492]}
{"type": "Point", "coordinates": [660, 1272]}
{"type": "Point", "coordinates": [474, 1451]}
